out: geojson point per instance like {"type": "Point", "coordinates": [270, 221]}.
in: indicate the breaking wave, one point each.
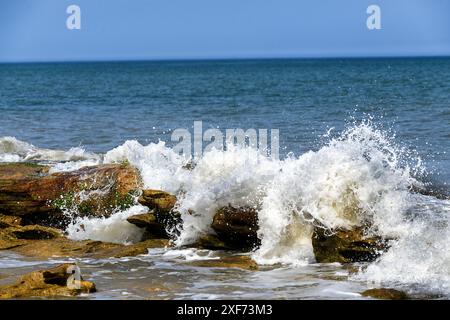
{"type": "Point", "coordinates": [360, 178]}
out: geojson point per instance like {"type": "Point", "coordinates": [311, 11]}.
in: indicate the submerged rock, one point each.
{"type": "Point", "coordinates": [385, 294]}
{"type": "Point", "coordinates": [237, 227]}
{"type": "Point", "coordinates": [37, 197]}
{"type": "Point", "coordinates": [211, 242]}
{"type": "Point", "coordinates": [46, 283]}
{"type": "Point", "coordinates": [346, 246]}
{"type": "Point", "coordinates": [235, 261]}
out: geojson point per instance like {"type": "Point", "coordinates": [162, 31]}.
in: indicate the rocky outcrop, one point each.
{"type": "Point", "coordinates": [237, 227]}
{"type": "Point", "coordinates": [37, 197]}
{"type": "Point", "coordinates": [346, 246]}
{"type": "Point", "coordinates": [47, 283]}
{"type": "Point", "coordinates": [43, 242]}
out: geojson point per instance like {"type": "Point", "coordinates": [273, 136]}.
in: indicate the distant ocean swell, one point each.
{"type": "Point", "coordinates": [360, 177]}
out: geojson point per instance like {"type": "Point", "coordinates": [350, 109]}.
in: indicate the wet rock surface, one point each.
{"type": "Point", "coordinates": [237, 227]}
{"type": "Point", "coordinates": [346, 246]}
{"type": "Point", "coordinates": [37, 197]}
{"type": "Point", "coordinates": [385, 294]}
{"type": "Point", "coordinates": [236, 261]}
{"type": "Point", "coordinates": [154, 227]}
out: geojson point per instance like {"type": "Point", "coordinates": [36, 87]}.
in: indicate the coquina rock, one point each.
{"type": "Point", "coordinates": [237, 227]}
{"type": "Point", "coordinates": [154, 228]}
{"type": "Point", "coordinates": [47, 283]}
{"type": "Point", "coordinates": [44, 242]}
{"type": "Point", "coordinates": [37, 197]}
{"type": "Point", "coordinates": [346, 246]}
{"type": "Point", "coordinates": [160, 218]}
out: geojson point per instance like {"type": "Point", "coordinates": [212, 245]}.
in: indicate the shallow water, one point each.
{"type": "Point", "coordinates": [156, 276]}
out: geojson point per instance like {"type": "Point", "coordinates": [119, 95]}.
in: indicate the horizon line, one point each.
{"type": "Point", "coordinates": [193, 59]}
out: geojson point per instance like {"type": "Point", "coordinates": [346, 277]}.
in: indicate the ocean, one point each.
{"type": "Point", "coordinates": [378, 125]}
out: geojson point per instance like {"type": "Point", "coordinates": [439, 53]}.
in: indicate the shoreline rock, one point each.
{"type": "Point", "coordinates": [46, 283]}
{"type": "Point", "coordinates": [346, 246]}
{"type": "Point", "coordinates": [237, 227]}
{"type": "Point", "coordinates": [28, 191]}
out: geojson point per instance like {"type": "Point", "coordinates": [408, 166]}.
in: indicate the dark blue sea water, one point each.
{"type": "Point", "coordinates": [99, 105]}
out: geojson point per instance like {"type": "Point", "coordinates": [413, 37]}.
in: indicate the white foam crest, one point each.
{"type": "Point", "coordinates": [421, 258]}
{"type": "Point", "coordinates": [160, 167]}
{"type": "Point", "coordinates": [113, 229]}
{"type": "Point", "coordinates": [219, 178]}
{"type": "Point", "coordinates": [236, 176]}
{"type": "Point", "coordinates": [14, 150]}
{"type": "Point", "coordinates": [354, 179]}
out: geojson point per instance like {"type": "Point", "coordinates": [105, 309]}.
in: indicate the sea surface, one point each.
{"type": "Point", "coordinates": [375, 127]}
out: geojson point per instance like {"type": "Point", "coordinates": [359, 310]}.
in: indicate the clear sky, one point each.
{"type": "Point", "coordinates": [35, 30]}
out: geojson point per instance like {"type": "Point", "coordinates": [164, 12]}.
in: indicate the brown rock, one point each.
{"type": "Point", "coordinates": [43, 242]}
{"type": "Point", "coordinates": [33, 232]}
{"type": "Point", "coordinates": [160, 201]}
{"type": "Point", "coordinates": [346, 246]}
{"type": "Point", "coordinates": [84, 249]}
{"type": "Point", "coordinates": [237, 227]}
{"type": "Point", "coordinates": [211, 242]}
{"type": "Point", "coordinates": [28, 191]}
{"type": "Point", "coordinates": [46, 283]}
{"type": "Point", "coordinates": [385, 294]}
{"type": "Point", "coordinates": [154, 229]}
{"type": "Point", "coordinates": [162, 213]}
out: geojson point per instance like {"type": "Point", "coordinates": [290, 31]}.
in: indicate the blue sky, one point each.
{"type": "Point", "coordinates": [35, 30]}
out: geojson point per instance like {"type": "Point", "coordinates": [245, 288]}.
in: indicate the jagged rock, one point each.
{"type": "Point", "coordinates": [162, 215]}
{"type": "Point", "coordinates": [237, 227]}
{"type": "Point", "coordinates": [160, 201]}
{"type": "Point", "coordinates": [154, 229]}
{"type": "Point", "coordinates": [346, 246]}
{"type": "Point", "coordinates": [235, 261]}
{"type": "Point", "coordinates": [385, 294]}
{"type": "Point", "coordinates": [30, 192]}
{"type": "Point", "coordinates": [46, 283]}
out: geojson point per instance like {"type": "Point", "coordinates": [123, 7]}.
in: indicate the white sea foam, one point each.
{"type": "Point", "coordinates": [113, 229]}
{"type": "Point", "coordinates": [14, 150]}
